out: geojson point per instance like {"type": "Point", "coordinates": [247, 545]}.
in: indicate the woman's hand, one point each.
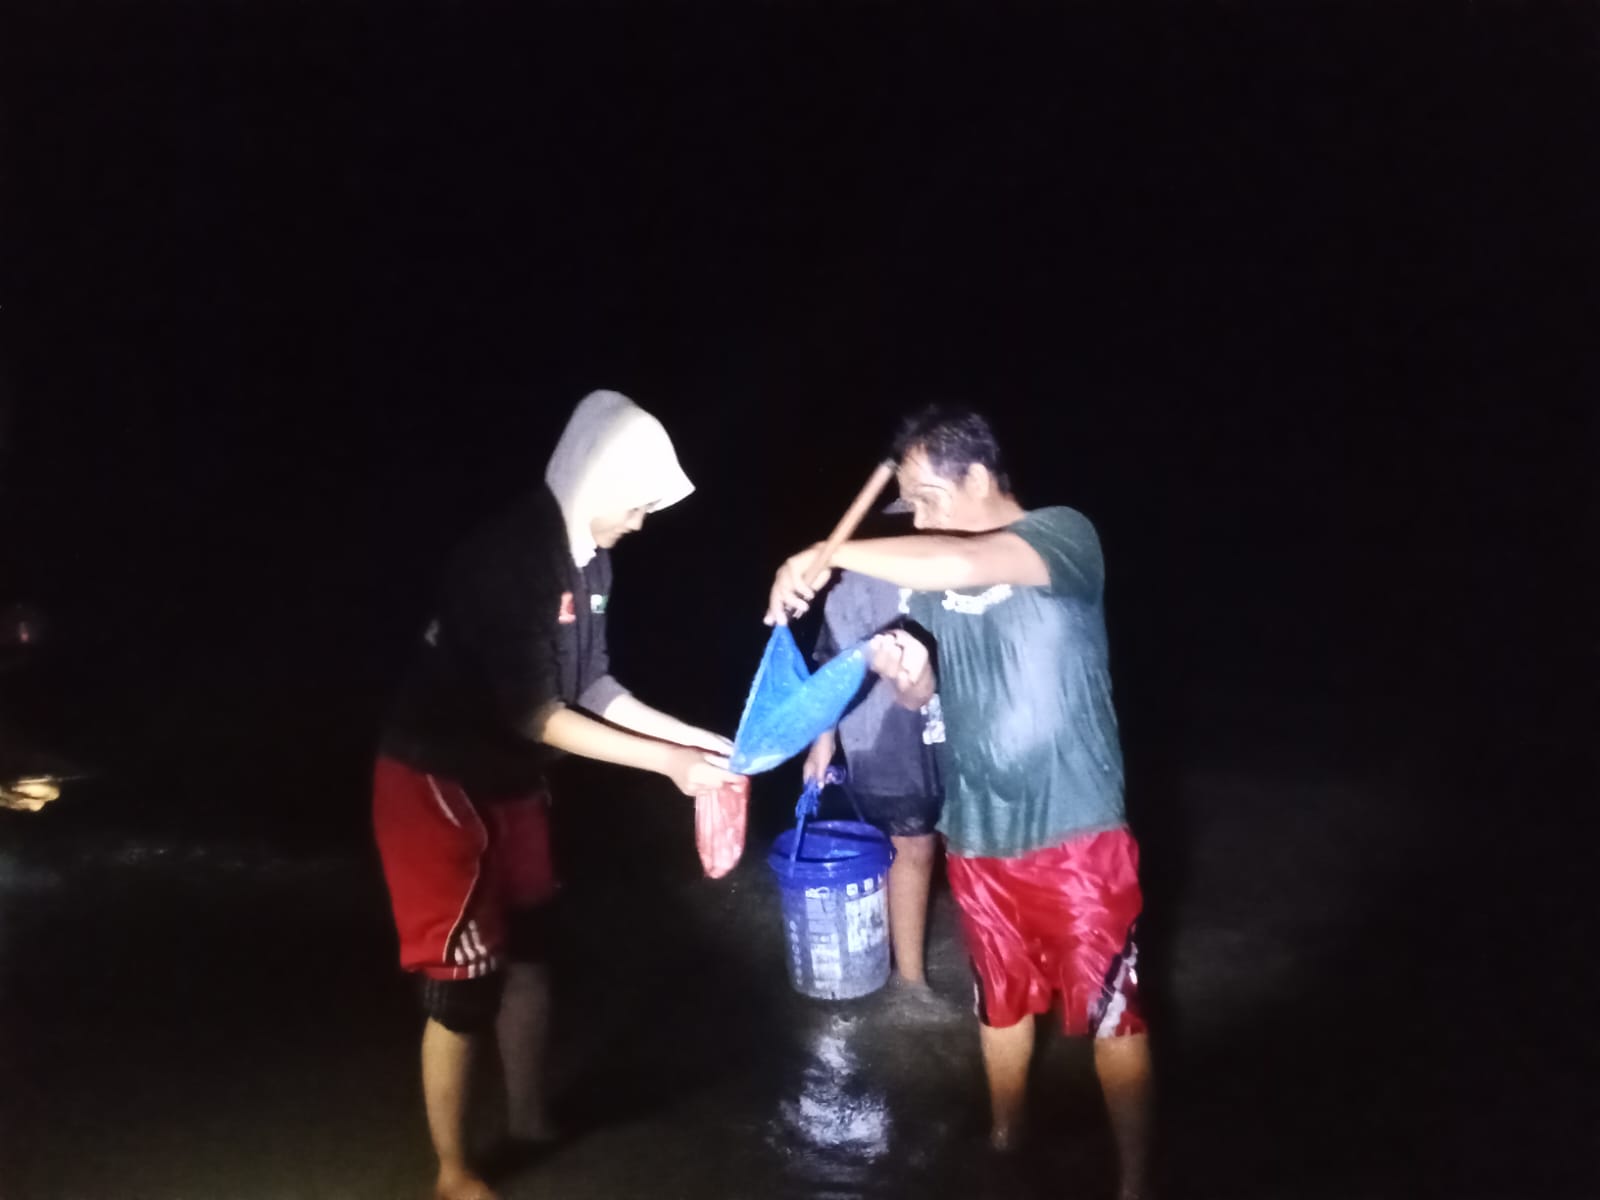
{"type": "Point", "coordinates": [695, 773]}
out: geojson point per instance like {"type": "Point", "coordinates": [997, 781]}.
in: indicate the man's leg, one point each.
{"type": "Point", "coordinates": [1004, 980]}
{"type": "Point", "coordinates": [523, 1027]}
{"type": "Point", "coordinates": [909, 880]}
{"type": "Point", "coordinates": [447, 1058]}
{"type": "Point", "coordinates": [1006, 1055]}
{"type": "Point", "coordinates": [1123, 1065]}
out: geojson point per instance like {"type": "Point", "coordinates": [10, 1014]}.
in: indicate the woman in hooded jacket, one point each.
{"type": "Point", "coordinates": [511, 673]}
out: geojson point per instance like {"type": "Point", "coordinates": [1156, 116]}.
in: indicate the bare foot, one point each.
{"type": "Point", "coordinates": [458, 1183]}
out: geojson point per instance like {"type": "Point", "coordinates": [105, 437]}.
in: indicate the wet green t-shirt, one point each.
{"type": "Point", "coordinates": [1030, 755]}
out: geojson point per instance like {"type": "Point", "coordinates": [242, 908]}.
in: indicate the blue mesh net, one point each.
{"type": "Point", "coordinates": [789, 707]}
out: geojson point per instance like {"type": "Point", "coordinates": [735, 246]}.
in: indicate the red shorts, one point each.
{"type": "Point", "coordinates": [457, 869]}
{"type": "Point", "coordinates": [1057, 920]}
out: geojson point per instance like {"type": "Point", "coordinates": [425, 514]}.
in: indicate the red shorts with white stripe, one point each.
{"type": "Point", "coordinates": [1055, 921]}
{"type": "Point", "coordinates": [458, 868]}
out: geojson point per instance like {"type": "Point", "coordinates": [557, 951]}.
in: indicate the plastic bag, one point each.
{"type": "Point", "coordinates": [719, 825]}
{"type": "Point", "coordinates": [788, 707]}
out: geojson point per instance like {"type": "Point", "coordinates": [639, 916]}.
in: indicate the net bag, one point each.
{"type": "Point", "coordinates": [789, 707]}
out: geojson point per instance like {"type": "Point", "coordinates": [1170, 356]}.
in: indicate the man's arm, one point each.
{"type": "Point", "coordinates": [923, 562]}
{"type": "Point", "coordinates": [692, 771]}
{"type": "Point", "coordinates": [931, 562]}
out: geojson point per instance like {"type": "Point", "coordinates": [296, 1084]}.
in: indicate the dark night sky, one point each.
{"type": "Point", "coordinates": [1297, 301]}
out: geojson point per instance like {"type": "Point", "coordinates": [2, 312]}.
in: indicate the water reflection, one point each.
{"type": "Point", "coordinates": [837, 1124]}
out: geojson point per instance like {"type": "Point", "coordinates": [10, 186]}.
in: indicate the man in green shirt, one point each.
{"type": "Point", "coordinates": [1039, 855]}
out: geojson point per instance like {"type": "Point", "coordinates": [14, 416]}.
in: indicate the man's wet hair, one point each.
{"type": "Point", "coordinates": [954, 439]}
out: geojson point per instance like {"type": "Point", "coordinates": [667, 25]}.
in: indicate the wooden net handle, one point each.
{"type": "Point", "coordinates": [853, 515]}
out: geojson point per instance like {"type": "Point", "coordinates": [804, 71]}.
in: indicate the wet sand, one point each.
{"type": "Point", "coordinates": [188, 1020]}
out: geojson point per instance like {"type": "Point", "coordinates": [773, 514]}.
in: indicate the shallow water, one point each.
{"type": "Point", "coordinates": [222, 1019]}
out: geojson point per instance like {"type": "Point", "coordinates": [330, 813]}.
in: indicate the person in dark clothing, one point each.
{"type": "Point", "coordinates": [512, 672]}
{"type": "Point", "coordinates": [889, 751]}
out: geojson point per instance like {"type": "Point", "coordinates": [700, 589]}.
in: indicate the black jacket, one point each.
{"type": "Point", "coordinates": [518, 624]}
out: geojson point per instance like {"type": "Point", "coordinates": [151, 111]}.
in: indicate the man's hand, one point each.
{"type": "Point", "coordinates": [696, 773]}
{"type": "Point", "coordinates": [796, 586]}
{"type": "Point", "coordinates": [904, 662]}
{"type": "Point", "coordinates": [820, 757]}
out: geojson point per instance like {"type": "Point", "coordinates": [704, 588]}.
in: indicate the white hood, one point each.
{"type": "Point", "coordinates": [612, 456]}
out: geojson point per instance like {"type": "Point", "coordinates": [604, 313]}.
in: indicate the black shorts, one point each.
{"type": "Point", "coordinates": [899, 816]}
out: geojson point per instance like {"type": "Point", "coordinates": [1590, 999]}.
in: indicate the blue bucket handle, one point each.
{"type": "Point", "coordinates": [810, 799]}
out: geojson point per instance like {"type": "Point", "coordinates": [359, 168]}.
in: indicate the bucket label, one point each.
{"type": "Point", "coordinates": [825, 964]}
{"type": "Point", "coordinates": [821, 903]}
{"type": "Point", "coordinates": [864, 926]}
{"type": "Point", "coordinates": [838, 937]}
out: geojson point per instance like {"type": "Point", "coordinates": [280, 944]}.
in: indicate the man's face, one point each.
{"type": "Point", "coordinates": [610, 528]}
{"type": "Point", "coordinates": [940, 503]}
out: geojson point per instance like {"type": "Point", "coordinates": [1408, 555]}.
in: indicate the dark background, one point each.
{"type": "Point", "coordinates": [1295, 301]}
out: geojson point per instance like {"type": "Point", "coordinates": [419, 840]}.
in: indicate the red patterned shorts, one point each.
{"type": "Point", "coordinates": [1056, 921]}
{"type": "Point", "coordinates": [458, 868]}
